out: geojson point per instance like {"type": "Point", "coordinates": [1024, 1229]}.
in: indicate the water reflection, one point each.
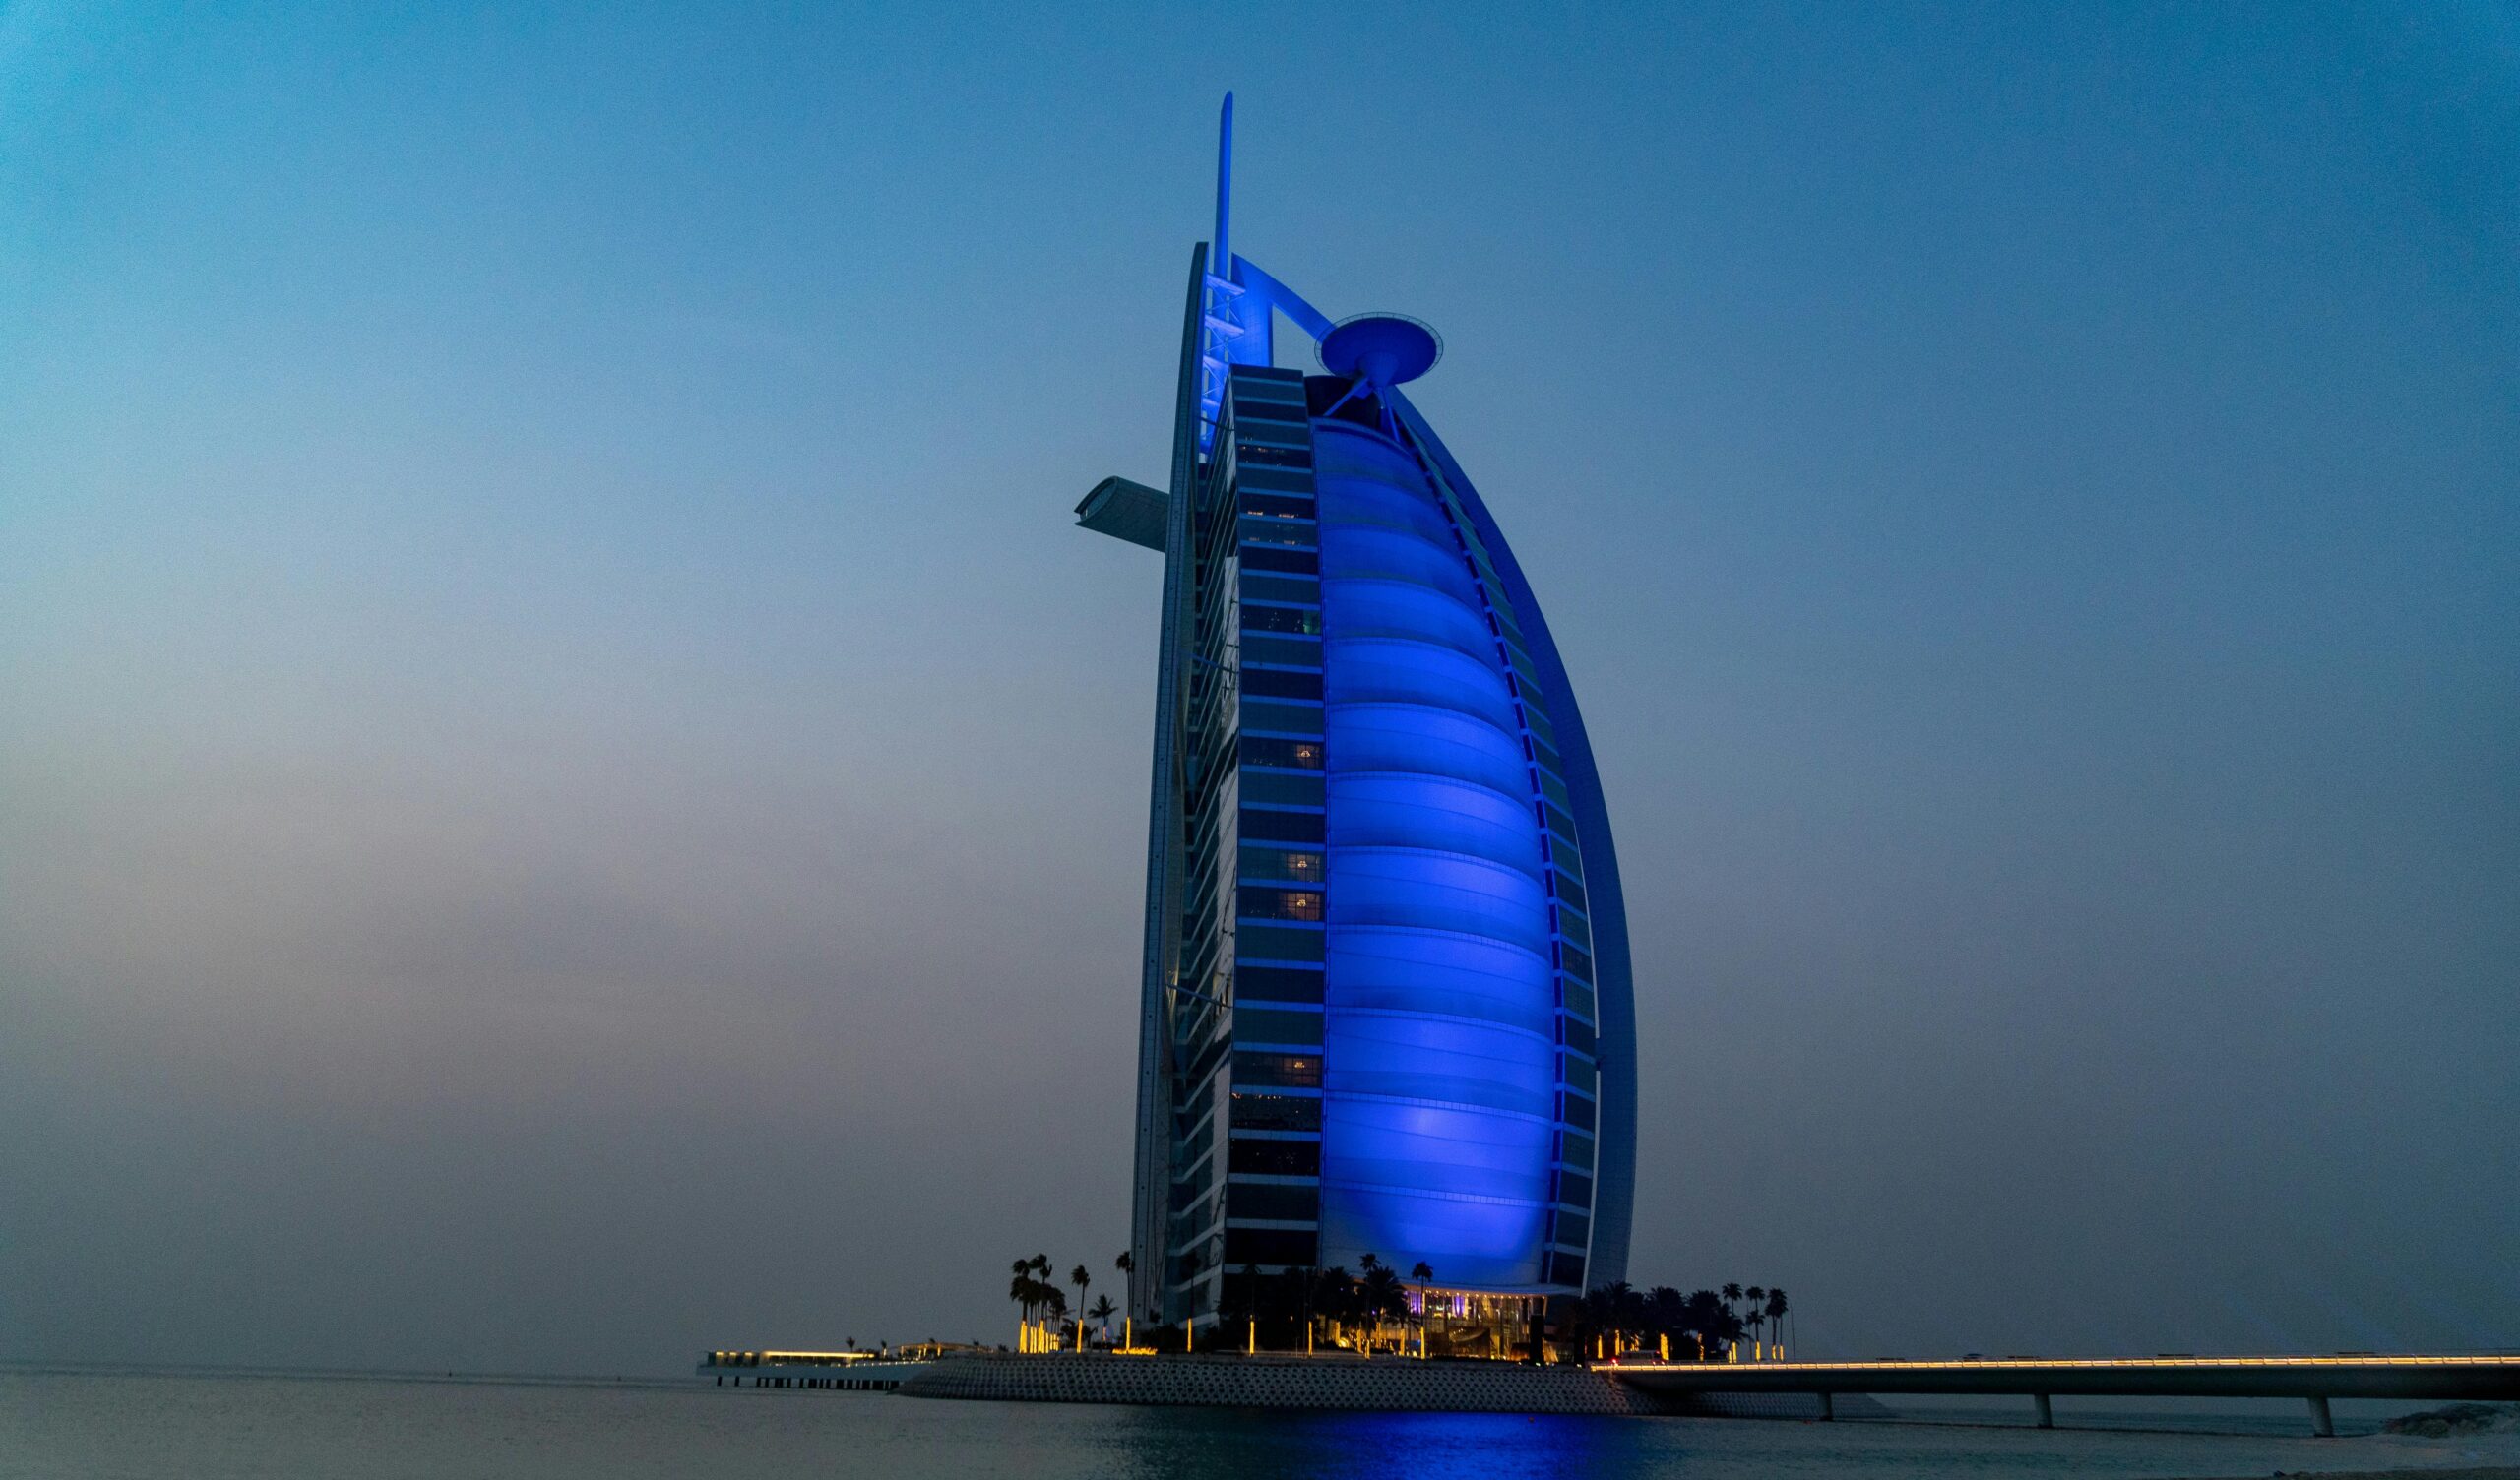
{"type": "Point", "coordinates": [1159, 1442]}
{"type": "Point", "coordinates": [53, 1424]}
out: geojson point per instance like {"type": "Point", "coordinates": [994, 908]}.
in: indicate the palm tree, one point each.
{"type": "Point", "coordinates": [1710, 1323]}
{"type": "Point", "coordinates": [1666, 1311]}
{"type": "Point", "coordinates": [1103, 1312]}
{"type": "Point", "coordinates": [1424, 1275]}
{"type": "Point", "coordinates": [1731, 1295]}
{"type": "Point", "coordinates": [1334, 1294]}
{"type": "Point", "coordinates": [1030, 1294]}
{"type": "Point", "coordinates": [1623, 1312]}
{"type": "Point", "coordinates": [1080, 1277]}
{"type": "Point", "coordinates": [1777, 1310]}
{"type": "Point", "coordinates": [1044, 1293]}
{"type": "Point", "coordinates": [1383, 1292]}
{"type": "Point", "coordinates": [1757, 1299]}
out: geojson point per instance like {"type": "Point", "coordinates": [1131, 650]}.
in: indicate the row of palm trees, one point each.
{"type": "Point", "coordinates": [1300, 1296]}
{"type": "Point", "coordinates": [1701, 1325]}
{"type": "Point", "coordinates": [1378, 1293]}
{"type": "Point", "coordinates": [1765, 1313]}
{"type": "Point", "coordinates": [1044, 1304]}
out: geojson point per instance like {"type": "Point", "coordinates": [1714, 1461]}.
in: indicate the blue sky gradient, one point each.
{"type": "Point", "coordinates": [557, 736]}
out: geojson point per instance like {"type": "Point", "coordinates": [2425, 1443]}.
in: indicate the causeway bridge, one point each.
{"type": "Point", "coordinates": [2317, 1380]}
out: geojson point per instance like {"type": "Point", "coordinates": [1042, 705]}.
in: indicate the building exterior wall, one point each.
{"type": "Point", "coordinates": [1251, 1040]}
{"type": "Point", "coordinates": [1155, 1171]}
{"type": "Point", "coordinates": [1386, 999]}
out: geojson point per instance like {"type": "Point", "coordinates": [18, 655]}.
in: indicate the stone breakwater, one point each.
{"type": "Point", "coordinates": [1382, 1384]}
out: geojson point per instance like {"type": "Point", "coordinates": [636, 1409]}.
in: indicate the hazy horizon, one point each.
{"type": "Point", "coordinates": [569, 794]}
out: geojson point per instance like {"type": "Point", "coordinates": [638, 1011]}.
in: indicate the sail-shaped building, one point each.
{"type": "Point", "coordinates": [1386, 1006]}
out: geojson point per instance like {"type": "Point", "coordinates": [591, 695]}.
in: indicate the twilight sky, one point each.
{"type": "Point", "coordinates": [568, 794]}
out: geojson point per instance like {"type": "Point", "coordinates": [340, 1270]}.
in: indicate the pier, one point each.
{"type": "Point", "coordinates": [2315, 1379]}
{"type": "Point", "coordinates": [810, 1371]}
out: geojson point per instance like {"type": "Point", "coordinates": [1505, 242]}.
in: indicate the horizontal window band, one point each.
{"type": "Point", "coordinates": [1484, 1200]}
{"type": "Point", "coordinates": [1435, 933]}
{"type": "Point", "coordinates": [1409, 1015]}
{"type": "Point", "coordinates": [1363, 1096]}
{"type": "Point", "coordinates": [1429, 779]}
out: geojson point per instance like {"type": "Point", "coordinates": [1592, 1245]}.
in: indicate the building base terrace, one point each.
{"type": "Point", "coordinates": [1375, 1384]}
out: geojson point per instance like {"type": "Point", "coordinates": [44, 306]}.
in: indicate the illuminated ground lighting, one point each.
{"type": "Point", "coordinates": [2044, 1365]}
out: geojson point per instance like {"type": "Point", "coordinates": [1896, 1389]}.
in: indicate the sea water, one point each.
{"type": "Point", "coordinates": [109, 1425]}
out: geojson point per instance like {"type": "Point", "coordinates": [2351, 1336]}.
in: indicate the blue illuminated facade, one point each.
{"type": "Point", "coordinates": [1386, 1006]}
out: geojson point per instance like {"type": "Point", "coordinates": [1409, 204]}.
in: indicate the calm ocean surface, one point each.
{"type": "Point", "coordinates": [68, 1426]}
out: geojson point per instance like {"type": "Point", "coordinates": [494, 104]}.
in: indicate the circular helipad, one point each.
{"type": "Point", "coordinates": [1386, 350]}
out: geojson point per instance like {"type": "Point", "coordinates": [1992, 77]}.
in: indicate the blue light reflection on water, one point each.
{"type": "Point", "coordinates": [228, 1428]}
{"type": "Point", "coordinates": [1413, 1445]}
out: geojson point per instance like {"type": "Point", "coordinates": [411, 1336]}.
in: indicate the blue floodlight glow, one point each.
{"type": "Point", "coordinates": [1614, 1175]}
{"type": "Point", "coordinates": [1439, 1064]}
